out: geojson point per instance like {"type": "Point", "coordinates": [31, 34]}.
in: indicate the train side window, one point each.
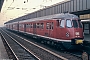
{"type": "Point", "coordinates": [37, 25]}
{"type": "Point", "coordinates": [27, 26]}
{"type": "Point", "coordinates": [31, 26]}
{"type": "Point", "coordinates": [14, 26]}
{"type": "Point", "coordinates": [47, 26]}
{"type": "Point", "coordinates": [62, 24]}
{"type": "Point", "coordinates": [42, 25]}
{"type": "Point", "coordinates": [22, 25]}
{"type": "Point", "coordinates": [52, 25]}
{"type": "Point", "coordinates": [68, 23]}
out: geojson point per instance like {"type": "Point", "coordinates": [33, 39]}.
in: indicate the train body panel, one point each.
{"type": "Point", "coordinates": [15, 27]}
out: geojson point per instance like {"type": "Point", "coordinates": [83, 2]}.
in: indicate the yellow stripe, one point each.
{"type": "Point", "coordinates": [79, 41]}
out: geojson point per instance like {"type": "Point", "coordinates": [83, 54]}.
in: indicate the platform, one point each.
{"type": "Point", "coordinates": [3, 53]}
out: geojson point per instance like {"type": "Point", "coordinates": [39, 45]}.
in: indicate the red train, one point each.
{"type": "Point", "coordinates": [58, 29]}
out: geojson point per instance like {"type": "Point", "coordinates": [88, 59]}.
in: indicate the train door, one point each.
{"type": "Point", "coordinates": [65, 25]}
{"type": "Point", "coordinates": [24, 27]}
{"type": "Point", "coordinates": [34, 28]}
{"type": "Point", "coordinates": [62, 28]}
{"type": "Point", "coordinates": [51, 33]}
{"type": "Point", "coordinates": [47, 29]}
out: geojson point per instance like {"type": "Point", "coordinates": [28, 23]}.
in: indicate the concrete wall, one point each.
{"type": "Point", "coordinates": [1, 3]}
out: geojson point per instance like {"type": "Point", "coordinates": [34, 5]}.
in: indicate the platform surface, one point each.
{"type": "Point", "coordinates": [3, 53]}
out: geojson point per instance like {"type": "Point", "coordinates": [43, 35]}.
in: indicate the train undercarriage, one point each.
{"type": "Point", "coordinates": [58, 44]}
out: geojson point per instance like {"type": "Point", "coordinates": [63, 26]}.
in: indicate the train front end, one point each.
{"type": "Point", "coordinates": [77, 33]}
{"type": "Point", "coordinates": [74, 32]}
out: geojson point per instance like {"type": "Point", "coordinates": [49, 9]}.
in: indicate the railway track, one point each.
{"type": "Point", "coordinates": [73, 53]}
{"type": "Point", "coordinates": [55, 56]}
{"type": "Point", "coordinates": [18, 50]}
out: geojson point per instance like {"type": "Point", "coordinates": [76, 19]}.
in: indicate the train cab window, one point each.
{"type": "Point", "coordinates": [68, 23]}
{"type": "Point", "coordinates": [62, 24]}
{"type": "Point", "coordinates": [75, 24]}
{"type": "Point", "coordinates": [80, 25]}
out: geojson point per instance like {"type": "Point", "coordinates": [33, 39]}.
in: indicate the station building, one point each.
{"type": "Point", "coordinates": [81, 8]}
{"type": "Point", "coordinates": [85, 19]}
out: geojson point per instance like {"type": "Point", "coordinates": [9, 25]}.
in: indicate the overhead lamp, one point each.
{"type": "Point", "coordinates": [25, 1]}
{"type": "Point", "coordinates": [17, 8]}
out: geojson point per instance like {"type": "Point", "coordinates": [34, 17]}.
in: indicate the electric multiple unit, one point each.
{"type": "Point", "coordinates": [65, 29]}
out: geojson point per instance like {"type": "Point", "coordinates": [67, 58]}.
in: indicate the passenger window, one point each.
{"type": "Point", "coordinates": [47, 26]}
{"type": "Point", "coordinates": [62, 23]}
{"type": "Point", "coordinates": [52, 25]}
{"type": "Point", "coordinates": [37, 25]}
{"type": "Point", "coordinates": [31, 25]}
{"type": "Point", "coordinates": [42, 25]}
{"type": "Point", "coordinates": [68, 24]}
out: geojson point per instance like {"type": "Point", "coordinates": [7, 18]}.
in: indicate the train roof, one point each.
{"type": "Point", "coordinates": [55, 16]}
